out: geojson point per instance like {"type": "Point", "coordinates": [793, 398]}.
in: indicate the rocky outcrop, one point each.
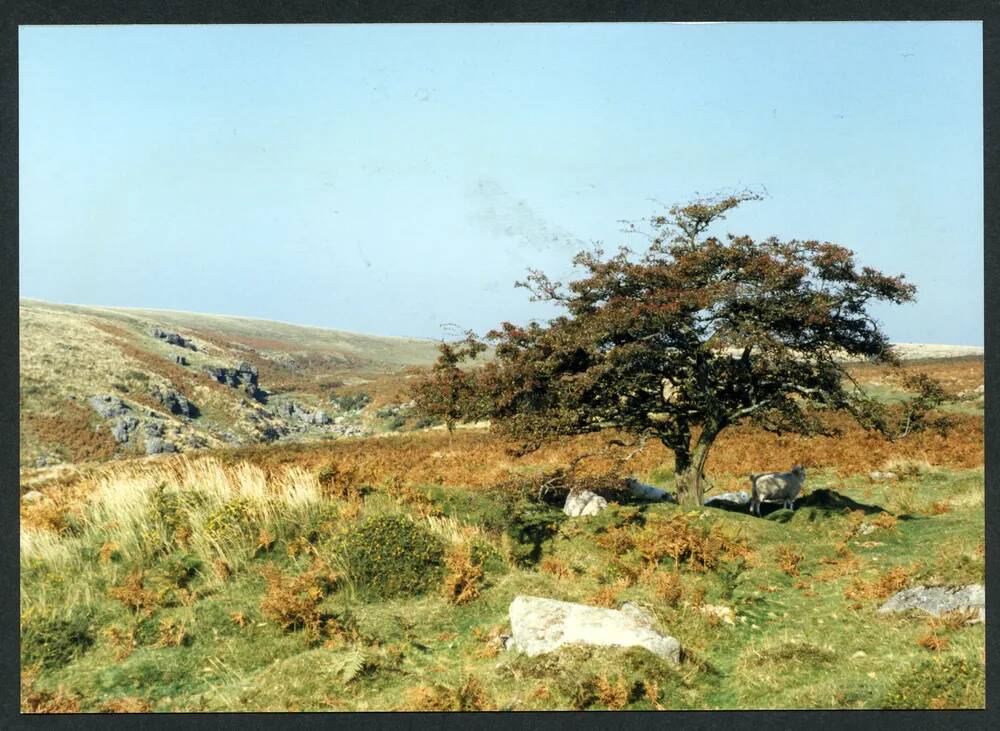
{"type": "Point", "coordinates": [123, 427]}
{"type": "Point", "coordinates": [153, 429]}
{"type": "Point", "coordinates": [174, 339]}
{"type": "Point", "coordinates": [242, 376]}
{"type": "Point", "coordinates": [108, 406]}
{"type": "Point", "coordinates": [938, 600]}
{"type": "Point", "coordinates": [294, 412]}
{"type": "Point", "coordinates": [156, 445]}
{"type": "Point", "coordinates": [540, 625]}
{"type": "Point", "coordinates": [176, 403]}
{"type": "Point", "coordinates": [584, 502]}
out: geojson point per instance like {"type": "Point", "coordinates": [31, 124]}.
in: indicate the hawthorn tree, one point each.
{"type": "Point", "coordinates": [695, 335]}
{"type": "Point", "coordinates": [448, 391]}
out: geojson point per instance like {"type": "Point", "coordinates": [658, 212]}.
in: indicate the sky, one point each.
{"type": "Point", "coordinates": [393, 179]}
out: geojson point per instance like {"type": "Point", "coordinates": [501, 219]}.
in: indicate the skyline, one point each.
{"type": "Point", "coordinates": [391, 179]}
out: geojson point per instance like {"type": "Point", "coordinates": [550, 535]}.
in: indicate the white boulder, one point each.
{"type": "Point", "coordinates": [584, 502]}
{"type": "Point", "coordinates": [32, 496]}
{"type": "Point", "coordinates": [540, 625]}
{"type": "Point", "coordinates": [647, 492]}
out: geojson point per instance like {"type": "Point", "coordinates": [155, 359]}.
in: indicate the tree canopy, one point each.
{"type": "Point", "coordinates": [693, 335]}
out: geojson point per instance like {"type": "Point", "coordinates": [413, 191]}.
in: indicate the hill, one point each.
{"type": "Point", "coordinates": [166, 380]}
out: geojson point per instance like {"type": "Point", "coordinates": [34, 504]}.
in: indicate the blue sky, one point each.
{"type": "Point", "coordinates": [391, 179]}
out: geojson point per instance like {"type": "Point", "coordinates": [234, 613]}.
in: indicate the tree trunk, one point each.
{"type": "Point", "coordinates": [689, 473]}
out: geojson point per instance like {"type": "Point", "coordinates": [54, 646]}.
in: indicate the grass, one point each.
{"type": "Point", "coordinates": [128, 608]}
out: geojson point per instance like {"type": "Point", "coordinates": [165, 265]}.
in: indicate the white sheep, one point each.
{"type": "Point", "coordinates": [773, 487]}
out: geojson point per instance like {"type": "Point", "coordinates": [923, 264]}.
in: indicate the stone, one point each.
{"type": "Point", "coordinates": [31, 497]}
{"type": "Point", "coordinates": [123, 428]}
{"type": "Point", "coordinates": [319, 418]}
{"type": "Point", "coordinates": [938, 600]}
{"type": "Point", "coordinates": [739, 498]}
{"type": "Point", "coordinates": [180, 360]}
{"type": "Point", "coordinates": [648, 492]}
{"type": "Point", "coordinates": [879, 476]}
{"type": "Point", "coordinates": [175, 402]}
{"type": "Point", "coordinates": [719, 611]}
{"type": "Point", "coordinates": [244, 376]}
{"type": "Point", "coordinates": [540, 625]}
{"type": "Point", "coordinates": [108, 406]}
{"type": "Point", "coordinates": [584, 503]}
{"type": "Point", "coordinates": [173, 339]}
{"type": "Point", "coordinates": [155, 445]}
{"type": "Point", "coordinates": [153, 429]}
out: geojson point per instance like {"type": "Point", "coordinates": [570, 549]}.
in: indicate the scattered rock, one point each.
{"type": "Point", "coordinates": [180, 360]}
{"type": "Point", "coordinates": [108, 406]}
{"type": "Point", "coordinates": [648, 492]}
{"type": "Point", "coordinates": [584, 503]}
{"type": "Point", "coordinates": [541, 625]}
{"type": "Point", "coordinates": [46, 460]}
{"type": "Point", "coordinates": [320, 418]}
{"type": "Point", "coordinates": [174, 339]}
{"type": "Point", "coordinates": [156, 445]}
{"type": "Point", "coordinates": [938, 600]}
{"type": "Point", "coordinates": [738, 498]}
{"type": "Point", "coordinates": [153, 429]}
{"type": "Point", "coordinates": [866, 529]}
{"type": "Point", "coordinates": [722, 612]}
{"type": "Point", "coordinates": [31, 497]}
{"type": "Point", "coordinates": [123, 428]}
{"type": "Point", "coordinates": [879, 476]}
{"type": "Point", "coordinates": [176, 403]}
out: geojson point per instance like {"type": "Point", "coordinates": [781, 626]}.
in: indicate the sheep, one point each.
{"type": "Point", "coordinates": [776, 486]}
{"type": "Point", "coordinates": [647, 492]}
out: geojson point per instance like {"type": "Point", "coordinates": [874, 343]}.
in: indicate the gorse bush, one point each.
{"type": "Point", "coordinates": [53, 642]}
{"type": "Point", "coordinates": [390, 556]}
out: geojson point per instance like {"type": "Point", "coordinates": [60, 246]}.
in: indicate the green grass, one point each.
{"type": "Point", "coordinates": [796, 640]}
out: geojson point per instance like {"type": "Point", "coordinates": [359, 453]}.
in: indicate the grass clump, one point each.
{"type": "Point", "coordinates": [943, 681]}
{"type": "Point", "coordinates": [390, 556]}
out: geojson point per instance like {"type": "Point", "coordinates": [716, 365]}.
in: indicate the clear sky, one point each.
{"type": "Point", "coordinates": [390, 179]}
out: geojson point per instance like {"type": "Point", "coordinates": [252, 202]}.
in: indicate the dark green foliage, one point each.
{"type": "Point", "coordinates": [53, 642]}
{"type": "Point", "coordinates": [396, 422]}
{"type": "Point", "coordinates": [940, 682]}
{"type": "Point", "coordinates": [351, 403]}
{"type": "Point", "coordinates": [391, 556]}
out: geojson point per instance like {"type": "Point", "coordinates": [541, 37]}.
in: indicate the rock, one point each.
{"type": "Point", "coordinates": [739, 498]}
{"type": "Point", "coordinates": [46, 460]}
{"type": "Point", "coordinates": [879, 476]}
{"type": "Point", "coordinates": [866, 529]}
{"type": "Point", "coordinates": [155, 445]}
{"type": "Point", "coordinates": [176, 403]}
{"type": "Point", "coordinates": [719, 611]}
{"type": "Point", "coordinates": [540, 625]}
{"type": "Point", "coordinates": [320, 418]}
{"type": "Point", "coordinates": [938, 600]}
{"type": "Point", "coordinates": [647, 492]}
{"type": "Point", "coordinates": [153, 429]}
{"type": "Point", "coordinates": [31, 497]}
{"type": "Point", "coordinates": [108, 406]}
{"type": "Point", "coordinates": [584, 503]}
{"type": "Point", "coordinates": [180, 360]}
{"type": "Point", "coordinates": [123, 428]}
{"type": "Point", "coordinates": [173, 339]}
{"type": "Point", "coordinates": [244, 376]}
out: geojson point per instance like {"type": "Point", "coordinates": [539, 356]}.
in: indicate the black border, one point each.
{"type": "Point", "coordinates": [123, 12]}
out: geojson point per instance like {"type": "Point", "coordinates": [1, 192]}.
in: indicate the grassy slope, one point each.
{"type": "Point", "coordinates": [69, 353]}
{"type": "Point", "coordinates": [797, 640]}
